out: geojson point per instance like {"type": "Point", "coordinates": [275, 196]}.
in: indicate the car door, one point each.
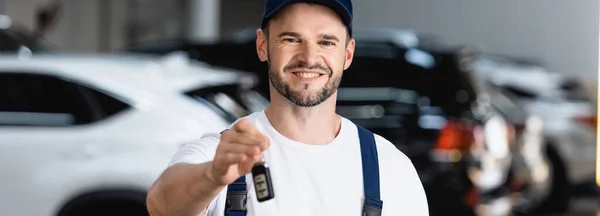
{"type": "Point", "coordinates": [44, 129]}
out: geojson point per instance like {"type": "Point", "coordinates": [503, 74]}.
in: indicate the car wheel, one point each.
{"type": "Point", "coordinates": [107, 203]}
{"type": "Point", "coordinates": [559, 198]}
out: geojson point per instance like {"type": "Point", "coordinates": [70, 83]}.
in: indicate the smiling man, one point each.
{"type": "Point", "coordinates": [319, 163]}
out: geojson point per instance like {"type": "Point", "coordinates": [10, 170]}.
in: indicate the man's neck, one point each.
{"type": "Point", "coordinates": [311, 125]}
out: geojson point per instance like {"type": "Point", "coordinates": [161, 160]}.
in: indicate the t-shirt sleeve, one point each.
{"type": "Point", "coordinates": [200, 151]}
{"type": "Point", "coordinates": [402, 189]}
{"type": "Point", "coordinates": [419, 205]}
{"type": "Point", "coordinates": [197, 152]}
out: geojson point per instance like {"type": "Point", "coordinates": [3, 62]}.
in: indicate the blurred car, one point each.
{"type": "Point", "coordinates": [417, 95]}
{"type": "Point", "coordinates": [456, 140]}
{"type": "Point", "coordinates": [568, 113]}
{"type": "Point", "coordinates": [531, 178]}
{"type": "Point", "coordinates": [236, 52]}
{"type": "Point", "coordinates": [87, 134]}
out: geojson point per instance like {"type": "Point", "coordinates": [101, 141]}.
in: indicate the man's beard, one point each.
{"type": "Point", "coordinates": [299, 98]}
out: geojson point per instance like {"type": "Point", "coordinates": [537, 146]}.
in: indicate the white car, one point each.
{"type": "Point", "coordinates": [568, 113]}
{"type": "Point", "coordinates": [88, 134]}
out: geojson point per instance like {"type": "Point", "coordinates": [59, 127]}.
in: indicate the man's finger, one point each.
{"type": "Point", "coordinates": [247, 164]}
{"type": "Point", "coordinates": [245, 126]}
{"type": "Point", "coordinates": [231, 158]}
{"type": "Point", "coordinates": [249, 139]}
{"type": "Point", "coordinates": [242, 125]}
{"type": "Point", "coordinates": [266, 143]}
{"type": "Point", "coordinates": [228, 135]}
{"type": "Point", "coordinates": [249, 150]}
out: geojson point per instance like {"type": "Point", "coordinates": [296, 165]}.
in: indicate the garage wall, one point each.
{"type": "Point", "coordinates": [21, 10]}
{"type": "Point", "coordinates": [106, 25]}
{"type": "Point", "coordinates": [77, 29]}
{"type": "Point", "coordinates": [101, 25]}
{"type": "Point", "coordinates": [562, 34]}
{"type": "Point", "coordinates": [2, 6]}
{"type": "Point", "coordinates": [240, 14]}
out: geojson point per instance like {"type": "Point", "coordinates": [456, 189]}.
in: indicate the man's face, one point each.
{"type": "Point", "coordinates": [307, 53]}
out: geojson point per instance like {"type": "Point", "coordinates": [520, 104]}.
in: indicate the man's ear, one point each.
{"type": "Point", "coordinates": [261, 45]}
{"type": "Point", "coordinates": [349, 53]}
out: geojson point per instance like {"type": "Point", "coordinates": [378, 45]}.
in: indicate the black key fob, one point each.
{"type": "Point", "coordinates": [262, 182]}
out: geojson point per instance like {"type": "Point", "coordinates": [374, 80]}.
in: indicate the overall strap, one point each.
{"type": "Point", "coordinates": [235, 204]}
{"type": "Point", "coordinates": [372, 205]}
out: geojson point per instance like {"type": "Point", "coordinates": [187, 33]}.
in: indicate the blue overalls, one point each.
{"type": "Point", "coordinates": [372, 206]}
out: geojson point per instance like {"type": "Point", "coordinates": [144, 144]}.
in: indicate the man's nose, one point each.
{"type": "Point", "coordinates": [310, 54]}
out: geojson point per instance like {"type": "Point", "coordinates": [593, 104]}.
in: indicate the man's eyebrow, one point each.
{"type": "Point", "coordinates": [289, 34]}
{"type": "Point", "coordinates": [329, 37]}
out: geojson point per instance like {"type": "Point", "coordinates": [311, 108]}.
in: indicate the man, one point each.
{"type": "Point", "coordinates": [315, 156]}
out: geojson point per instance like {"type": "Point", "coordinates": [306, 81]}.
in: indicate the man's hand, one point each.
{"type": "Point", "coordinates": [188, 189]}
{"type": "Point", "coordinates": [239, 149]}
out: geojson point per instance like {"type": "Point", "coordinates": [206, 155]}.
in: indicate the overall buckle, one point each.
{"type": "Point", "coordinates": [372, 207]}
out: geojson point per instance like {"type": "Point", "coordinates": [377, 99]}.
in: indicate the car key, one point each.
{"type": "Point", "coordinates": [262, 182]}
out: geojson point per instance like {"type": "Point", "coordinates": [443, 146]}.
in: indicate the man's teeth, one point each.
{"type": "Point", "coordinates": [307, 75]}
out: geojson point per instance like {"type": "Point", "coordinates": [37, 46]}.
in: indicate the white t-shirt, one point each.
{"type": "Point", "coordinates": [319, 179]}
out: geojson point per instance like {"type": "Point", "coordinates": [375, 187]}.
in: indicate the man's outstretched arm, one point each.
{"type": "Point", "coordinates": [183, 189]}
{"type": "Point", "coordinates": [188, 188]}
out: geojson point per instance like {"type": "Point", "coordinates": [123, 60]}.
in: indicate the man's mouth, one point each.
{"type": "Point", "coordinates": [307, 74]}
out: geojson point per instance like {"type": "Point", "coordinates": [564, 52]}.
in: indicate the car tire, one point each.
{"type": "Point", "coordinates": [559, 199]}
{"type": "Point", "coordinates": [117, 203]}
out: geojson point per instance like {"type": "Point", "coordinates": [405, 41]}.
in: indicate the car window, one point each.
{"type": "Point", "coordinates": [574, 90]}
{"type": "Point", "coordinates": [505, 104]}
{"type": "Point", "coordinates": [43, 100]}
{"type": "Point", "coordinates": [521, 93]}
{"type": "Point", "coordinates": [231, 101]}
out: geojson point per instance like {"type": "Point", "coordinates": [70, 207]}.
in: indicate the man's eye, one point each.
{"type": "Point", "coordinates": [290, 40]}
{"type": "Point", "coordinates": [327, 43]}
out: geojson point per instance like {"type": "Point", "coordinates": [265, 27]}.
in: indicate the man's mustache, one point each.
{"type": "Point", "coordinates": [304, 65]}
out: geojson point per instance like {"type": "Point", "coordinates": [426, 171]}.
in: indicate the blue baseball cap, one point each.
{"type": "Point", "coordinates": [342, 7]}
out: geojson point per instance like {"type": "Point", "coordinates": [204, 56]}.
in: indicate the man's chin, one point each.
{"type": "Point", "coordinates": [305, 96]}
{"type": "Point", "coordinates": [306, 103]}
{"type": "Point", "coordinates": [310, 91]}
